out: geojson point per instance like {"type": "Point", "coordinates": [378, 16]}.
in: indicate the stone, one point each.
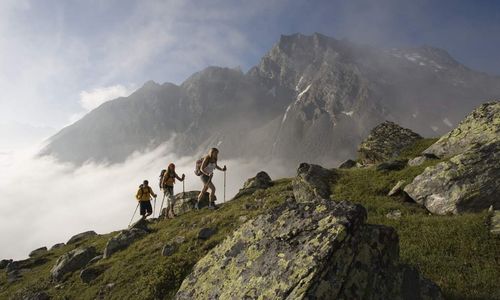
{"type": "Point", "coordinates": [385, 142]}
{"type": "Point", "coordinates": [495, 222]}
{"type": "Point", "coordinates": [312, 181]}
{"type": "Point", "coordinates": [468, 182]}
{"type": "Point", "coordinates": [417, 161]}
{"type": "Point", "coordinates": [480, 127]}
{"type": "Point", "coordinates": [80, 237]}
{"type": "Point", "coordinates": [168, 249]}
{"type": "Point", "coordinates": [89, 274]}
{"type": "Point", "coordinates": [95, 259]}
{"type": "Point", "coordinates": [26, 294]}
{"type": "Point", "coordinates": [185, 202]}
{"type": "Point", "coordinates": [315, 250]}
{"type": "Point", "coordinates": [206, 233]}
{"type": "Point", "coordinates": [38, 252]}
{"type": "Point", "coordinates": [122, 240]}
{"type": "Point", "coordinates": [397, 189]}
{"type": "Point", "coordinates": [141, 224]}
{"type": "Point", "coordinates": [13, 276]}
{"type": "Point", "coordinates": [261, 181]}
{"type": "Point", "coordinates": [57, 246]}
{"type": "Point", "coordinates": [243, 219]}
{"type": "Point", "coordinates": [348, 164]}
{"type": "Point", "coordinates": [179, 239]}
{"type": "Point", "coordinates": [393, 165]}
{"type": "Point", "coordinates": [72, 261]}
{"type": "Point", "coordinates": [394, 214]}
{"type": "Point", "coordinates": [25, 264]}
{"type": "Point", "coordinates": [4, 263]}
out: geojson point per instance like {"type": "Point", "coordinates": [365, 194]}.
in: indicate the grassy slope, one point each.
{"type": "Point", "coordinates": [457, 252]}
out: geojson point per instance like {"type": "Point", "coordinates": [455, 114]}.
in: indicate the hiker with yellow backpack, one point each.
{"type": "Point", "coordinates": [143, 195]}
{"type": "Point", "coordinates": [167, 181]}
{"type": "Point", "coordinates": [205, 168]}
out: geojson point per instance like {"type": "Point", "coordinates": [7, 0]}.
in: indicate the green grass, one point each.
{"type": "Point", "coordinates": [140, 271]}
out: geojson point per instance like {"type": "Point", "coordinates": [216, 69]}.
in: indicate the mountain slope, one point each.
{"type": "Point", "coordinates": [311, 98]}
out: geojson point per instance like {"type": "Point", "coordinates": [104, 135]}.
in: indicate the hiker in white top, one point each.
{"type": "Point", "coordinates": [208, 166]}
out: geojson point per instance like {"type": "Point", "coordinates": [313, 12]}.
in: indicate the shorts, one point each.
{"type": "Point", "coordinates": [204, 178]}
{"type": "Point", "coordinates": [146, 207]}
{"type": "Point", "coordinates": [169, 194]}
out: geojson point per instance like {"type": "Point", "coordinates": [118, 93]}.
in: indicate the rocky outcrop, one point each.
{"type": "Point", "coordinates": [480, 127]}
{"type": "Point", "coordinates": [89, 274]}
{"type": "Point", "coordinates": [385, 142]}
{"type": "Point", "coordinates": [72, 261]}
{"type": "Point", "coordinates": [417, 161]}
{"type": "Point", "coordinates": [348, 164]}
{"type": "Point", "coordinates": [4, 263]}
{"type": "Point", "coordinates": [495, 222]}
{"type": "Point", "coordinates": [57, 246]}
{"type": "Point", "coordinates": [122, 240]}
{"type": "Point", "coordinates": [206, 233]}
{"type": "Point", "coordinates": [38, 252]}
{"type": "Point", "coordinates": [141, 224]}
{"type": "Point", "coordinates": [467, 182]}
{"type": "Point", "coordinates": [397, 189]}
{"type": "Point", "coordinates": [185, 202]}
{"type": "Point", "coordinates": [80, 237]}
{"type": "Point", "coordinates": [312, 181]}
{"type": "Point", "coordinates": [393, 165]}
{"type": "Point", "coordinates": [314, 250]}
{"type": "Point", "coordinates": [261, 181]}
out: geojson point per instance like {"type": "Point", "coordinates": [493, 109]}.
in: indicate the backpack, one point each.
{"type": "Point", "coordinates": [139, 194]}
{"type": "Point", "coordinates": [162, 174]}
{"type": "Point", "coordinates": [197, 169]}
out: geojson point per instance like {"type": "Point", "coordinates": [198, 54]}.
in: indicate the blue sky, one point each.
{"type": "Point", "coordinates": [59, 59]}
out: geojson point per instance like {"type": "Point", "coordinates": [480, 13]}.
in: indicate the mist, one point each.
{"type": "Point", "coordinates": [44, 202]}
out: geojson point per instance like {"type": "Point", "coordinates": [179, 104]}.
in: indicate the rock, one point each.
{"type": "Point", "coordinates": [495, 222]}
{"type": "Point", "coordinates": [26, 294]}
{"type": "Point", "coordinates": [243, 219]}
{"type": "Point", "coordinates": [38, 252]}
{"type": "Point", "coordinates": [312, 181]}
{"type": "Point", "coordinates": [385, 142]}
{"type": "Point", "coordinates": [168, 249]}
{"type": "Point", "coordinates": [348, 164]}
{"type": "Point", "coordinates": [467, 182]}
{"type": "Point", "coordinates": [141, 224]}
{"type": "Point", "coordinates": [4, 263]}
{"type": "Point", "coordinates": [261, 181]}
{"type": "Point", "coordinates": [417, 161]}
{"type": "Point", "coordinates": [179, 239]}
{"type": "Point", "coordinates": [72, 261]}
{"type": "Point", "coordinates": [122, 240]}
{"type": "Point", "coordinates": [482, 126]}
{"type": "Point", "coordinates": [315, 250]}
{"type": "Point", "coordinates": [394, 214]}
{"type": "Point", "coordinates": [394, 165]}
{"type": "Point", "coordinates": [396, 189]}
{"type": "Point", "coordinates": [25, 264]}
{"type": "Point", "coordinates": [206, 233]}
{"type": "Point", "coordinates": [95, 259]}
{"type": "Point", "coordinates": [13, 276]}
{"type": "Point", "coordinates": [185, 202]}
{"type": "Point", "coordinates": [80, 237]}
{"type": "Point", "coordinates": [89, 274]}
{"type": "Point", "coordinates": [57, 246]}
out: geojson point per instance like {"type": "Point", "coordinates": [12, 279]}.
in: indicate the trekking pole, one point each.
{"type": "Point", "coordinates": [133, 214]}
{"type": "Point", "coordinates": [161, 206]}
{"type": "Point", "coordinates": [154, 208]}
{"type": "Point", "coordinates": [225, 185]}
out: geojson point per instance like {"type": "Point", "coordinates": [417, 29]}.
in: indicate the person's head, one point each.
{"type": "Point", "coordinates": [213, 153]}
{"type": "Point", "coordinates": [145, 183]}
{"type": "Point", "coordinates": [171, 167]}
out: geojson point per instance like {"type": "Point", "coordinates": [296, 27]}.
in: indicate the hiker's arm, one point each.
{"type": "Point", "coordinates": [179, 178]}
{"type": "Point", "coordinates": [153, 193]}
{"type": "Point", "coordinates": [220, 169]}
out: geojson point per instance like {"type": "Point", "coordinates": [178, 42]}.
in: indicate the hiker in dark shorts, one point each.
{"type": "Point", "coordinates": [143, 195]}
{"type": "Point", "coordinates": [208, 166]}
{"type": "Point", "coordinates": [167, 184]}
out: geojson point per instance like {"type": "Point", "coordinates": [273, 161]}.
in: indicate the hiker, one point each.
{"type": "Point", "coordinates": [206, 171]}
{"type": "Point", "coordinates": [167, 184]}
{"type": "Point", "coordinates": [143, 195]}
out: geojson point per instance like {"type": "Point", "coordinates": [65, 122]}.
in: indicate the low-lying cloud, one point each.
{"type": "Point", "coordinates": [95, 97]}
{"type": "Point", "coordinates": [44, 202]}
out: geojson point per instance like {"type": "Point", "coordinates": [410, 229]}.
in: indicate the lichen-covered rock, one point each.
{"type": "Point", "coordinates": [81, 236]}
{"type": "Point", "coordinates": [417, 161]}
{"type": "Point", "coordinates": [185, 202]}
{"type": "Point", "coordinates": [38, 251]}
{"type": "Point", "coordinates": [315, 250]}
{"type": "Point", "coordinates": [348, 164]}
{"type": "Point", "coordinates": [385, 142]}
{"type": "Point", "coordinates": [141, 224]}
{"type": "Point", "coordinates": [72, 261]}
{"type": "Point", "coordinates": [312, 181]}
{"type": "Point", "coordinates": [396, 189]}
{"type": "Point", "coordinates": [467, 182]}
{"type": "Point", "coordinates": [57, 246]}
{"type": "Point", "coordinates": [259, 182]}
{"type": "Point", "coordinates": [495, 222]}
{"type": "Point", "coordinates": [122, 240]}
{"type": "Point", "coordinates": [394, 214]}
{"type": "Point", "coordinates": [482, 126]}
{"type": "Point", "coordinates": [169, 249]}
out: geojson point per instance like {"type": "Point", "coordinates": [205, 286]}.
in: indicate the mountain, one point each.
{"type": "Point", "coordinates": [311, 98]}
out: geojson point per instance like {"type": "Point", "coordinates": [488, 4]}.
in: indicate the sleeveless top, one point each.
{"type": "Point", "coordinates": [210, 168]}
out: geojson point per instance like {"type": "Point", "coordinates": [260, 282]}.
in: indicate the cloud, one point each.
{"type": "Point", "coordinates": [47, 202]}
{"type": "Point", "coordinates": [95, 97]}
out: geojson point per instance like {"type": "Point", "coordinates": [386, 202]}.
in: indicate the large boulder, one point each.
{"type": "Point", "coordinates": [467, 182]}
{"type": "Point", "coordinates": [38, 252]}
{"type": "Point", "coordinates": [185, 202]}
{"type": "Point", "coordinates": [312, 181]}
{"type": "Point", "coordinates": [81, 236]}
{"type": "Point", "coordinates": [72, 261]}
{"type": "Point", "coordinates": [122, 240]}
{"type": "Point", "coordinates": [315, 250]}
{"type": "Point", "coordinates": [480, 127]}
{"type": "Point", "coordinates": [261, 181]}
{"type": "Point", "coordinates": [385, 142]}
{"type": "Point", "coordinates": [4, 263]}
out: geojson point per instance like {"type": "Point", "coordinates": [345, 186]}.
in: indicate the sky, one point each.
{"type": "Point", "coordinates": [61, 59]}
